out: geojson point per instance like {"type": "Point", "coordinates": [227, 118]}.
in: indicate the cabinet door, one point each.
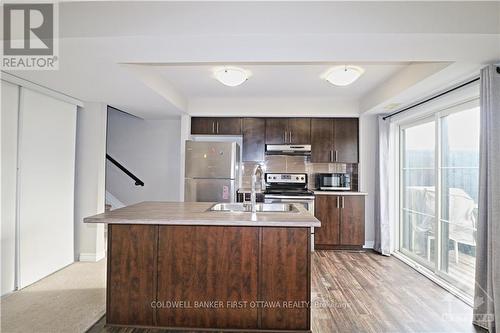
{"type": "Point", "coordinates": [132, 284]}
{"type": "Point", "coordinates": [207, 264]}
{"type": "Point", "coordinates": [352, 223]}
{"type": "Point", "coordinates": [276, 130]}
{"type": "Point", "coordinates": [345, 140]}
{"type": "Point", "coordinates": [321, 140]}
{"type": "Point", "coordinates": [202, 125]}
{"type": "Point", "coordinates": [228, 126]}
{"type": "Point", "coordinates": [327, 211]}
{"type": "Point", "coordinates": [299, 131]}
{"type": "Point", "coordinates": [254, 137]}
{"type": "Point", "coordinates": [284, 277]}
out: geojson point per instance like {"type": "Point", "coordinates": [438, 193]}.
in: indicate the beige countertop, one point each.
{"type": "Point", "coordinates": [339, 193]}
{"type": "Point", "coordinates": [195, 213]}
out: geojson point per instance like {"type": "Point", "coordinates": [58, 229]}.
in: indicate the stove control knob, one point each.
{"type": "Point", "coordinates": [297, 178]}
{"type": "Point", "coordinates": [301, 178]}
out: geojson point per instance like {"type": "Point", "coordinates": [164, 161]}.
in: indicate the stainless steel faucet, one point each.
{"type": "Point", "coordinates": [253, 196]}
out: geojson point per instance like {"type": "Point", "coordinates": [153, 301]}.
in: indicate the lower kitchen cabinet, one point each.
{"type": "Point", "coordinates": [342, 221]}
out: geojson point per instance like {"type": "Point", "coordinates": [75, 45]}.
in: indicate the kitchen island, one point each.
{"type": "Point", "coordinates": [182, 266]}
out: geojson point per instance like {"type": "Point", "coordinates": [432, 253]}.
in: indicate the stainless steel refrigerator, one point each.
{"type": "Point", "coordinates": [212, 171]}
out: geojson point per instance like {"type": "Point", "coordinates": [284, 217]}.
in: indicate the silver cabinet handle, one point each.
{"type": "Point", "coordinates": [335, 159]}
{"type": "Point", "coordinates": [284, 136]}
{"type": "Point", "coordinates": [213, 126]}
{"type": "Point", "coordinates": [343, 202]}
{"type": "Point", "coordinates": [290, 136]}
{"type": "Point", "coordinates": [217, 127]}
{"type": "Point", "coordinates": [338, 205]}
{"type": "Point", "coordinates": [331, 155]}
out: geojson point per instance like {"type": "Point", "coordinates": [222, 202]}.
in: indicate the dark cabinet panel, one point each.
{"type": "Point", "coordinates": [276, 130]}
{"type": "Point", "coordinates": [299, 131]}
{"type": "Point", "coordinates": [321, 140]}
{"type": "Point", "coordinates": [131, 287]}
{"type": "Point", "coordinates": [284, 250]}
{"type": "Point", "coordinates": [197, 264]}
{"type": "Point", "coordinates": [221, 125]}
{"type": "Point", "coordinates": [254, 138]}
{"type": "Point", "coordinates": [327, 210]}
{"type": "Point", "coordinates": [352, 229]}
{"type": "Point", "coordinates": [202, 125]}
{"type": "Point", "coordinates": [228, 126]}
{"type": "Point", "coordinates": [342, 220]}
{"type": "Point", "coordinates": [345, 140]}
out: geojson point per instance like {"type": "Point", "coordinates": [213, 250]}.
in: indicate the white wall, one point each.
{"type": "Point", "coordinates": [9, 120]}
{"type": "Point", "coordinates": [150, 149]}
{"type": "Point", "coordinates": [274, 107]}
{"type": "Point", "coordinates": [368, 148]}
{"type": "Point", "coordinates": [90, 180]}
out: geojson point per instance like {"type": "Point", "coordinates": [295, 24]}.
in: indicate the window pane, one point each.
{"type": "Point", "coordinates": [418, 184]}
{"type": "Point", "coordinates": [459, 192]}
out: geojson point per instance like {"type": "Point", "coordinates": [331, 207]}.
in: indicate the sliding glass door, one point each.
{"type": "Point", "coordinates": [418, 180]}
{"type": "Point", "coordinates": [439, 187]}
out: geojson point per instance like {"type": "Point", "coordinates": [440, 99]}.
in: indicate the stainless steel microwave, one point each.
{"type": "Point", "coordinates": [333, 181]}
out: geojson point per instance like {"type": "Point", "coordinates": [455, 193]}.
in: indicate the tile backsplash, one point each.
{"type": "Point", "coordinates": [299, 164]}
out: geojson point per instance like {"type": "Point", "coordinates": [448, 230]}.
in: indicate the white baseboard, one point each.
{"type": "Point", "coordinates": [369, 245]}
{"type": "Point", "coordinates": [91, 257]}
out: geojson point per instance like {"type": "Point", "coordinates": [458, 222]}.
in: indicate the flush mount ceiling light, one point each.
{"type": "Point", "coordinates": [231, 76]}
{"type": "Point", "coordinates": [343, 75]}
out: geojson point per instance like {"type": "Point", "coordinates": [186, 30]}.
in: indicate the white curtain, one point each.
{"type": "Point", "coordinates": [487, 289]}
{"type": "Point", "coordinates": [384, 187]}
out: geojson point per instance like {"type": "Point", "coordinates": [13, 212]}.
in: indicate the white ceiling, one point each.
{"type": "Point", "coordinates": [274, 80]}
{"type": "Point", "coordinates": [436, 43]}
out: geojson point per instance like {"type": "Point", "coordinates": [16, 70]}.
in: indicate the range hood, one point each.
{"type": "Point", "coordinates": [288, 149]}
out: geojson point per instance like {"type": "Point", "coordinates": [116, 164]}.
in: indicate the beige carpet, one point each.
{"type": "Point", "coordinates": [70, 300]}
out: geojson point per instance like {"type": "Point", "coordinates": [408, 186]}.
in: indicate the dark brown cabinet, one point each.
{"type": "Point", "coordinates": [276, 130]}
{"type": "Point", "coordinates": [220, 126]}
{"type": "Point", "coordinates": [227, 270]}
{"type": "Point", "coordinates": [342, 220]}
{"type": "Point", "coordinates": [202, 125]}
{"type": "Point", "coordinates": [288, 131]}
{"type": "Point", "coordinates": [254, 137]}
{"type": "Point", "coordinates": [327, 210]}
{"type": "Point", "coordinates": [334, 140]}
{"type": "Point", "coordinates": [345, 140]}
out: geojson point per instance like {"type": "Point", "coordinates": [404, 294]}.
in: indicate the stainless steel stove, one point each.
{"type": "Point", "coordinates": [290, 188]}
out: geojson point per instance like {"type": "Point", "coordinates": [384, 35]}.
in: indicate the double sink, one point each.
{"type": "Point", "coordinates": [260, 207]}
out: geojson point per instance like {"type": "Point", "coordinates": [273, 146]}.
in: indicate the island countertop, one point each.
{"type": "Point", "coordinates": [196, 213]}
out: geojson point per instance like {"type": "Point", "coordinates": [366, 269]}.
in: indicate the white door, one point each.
{"type": "Point", "coordinates": [10, 109]}
{"type": "Point", "coordinates": [46, 185]}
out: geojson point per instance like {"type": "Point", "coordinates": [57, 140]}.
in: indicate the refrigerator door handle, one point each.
{"type": "Point", "coordinates": [213, 126]}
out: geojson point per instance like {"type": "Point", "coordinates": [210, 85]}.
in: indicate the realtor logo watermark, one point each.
{"type": "Point", "coordinates": [30, 36]}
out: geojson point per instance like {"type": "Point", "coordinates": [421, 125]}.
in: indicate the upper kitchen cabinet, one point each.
{"type": "Point", "coordinates": [217, 126]}
{"type": "Point", "coordinates": [345, 140]}
{"type": "Point", "coordinates": [254, 137]}
{"type": "Point", "coordinates": [202, 125]}
{"type": "Point", "coordinates": [334, 140]}
{"type": "Point", "coordinates": [276, 130]}
{"type": "Point", "coordinates": [321, 140]}
{"type": "Point", "coordinates": [288, 131]}
{"type": "Point", "coordinates": [299, 131]}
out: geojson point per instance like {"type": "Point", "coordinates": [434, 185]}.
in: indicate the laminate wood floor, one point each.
{"type": "Point", "coordinates": [366, 292]}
